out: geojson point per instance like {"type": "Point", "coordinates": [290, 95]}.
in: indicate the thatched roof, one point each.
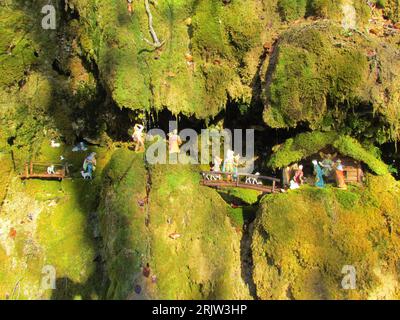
{"type": "Point", "coordinates": [305, 145]}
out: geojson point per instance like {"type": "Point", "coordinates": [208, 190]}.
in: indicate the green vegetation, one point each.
{"type": "Point", "coordinates": [307, 144]}
{"type": "Point", "coordinates": [311, 75]}
{"type": "Point", "coordinates": [320, 76]}
{"type": "Point", "coordinates": [54, 225]}
{"type": "Point", "coordinates": [193, 73]}
{"type": "Point", "coordinates": [391, 8]}
{"type": "Point", "coordinates": [204, 262]}
{"type": "Point", "coordinates": [122, 221]}
{"type": "Point", "coordinates": [95, 76]}
{"type": "Point", "coordinates": [304, 238]}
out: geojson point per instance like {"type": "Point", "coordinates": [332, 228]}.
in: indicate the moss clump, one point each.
{"type": "Point", "coordinates": [303, 239]}
{"type": "Point", "coordinates": [136, 229]}
{"type": "Point", "coordinates": [122, 221]}
{"type": "Point", "coordinates": [292, 9]}
{"type": "Point", "coordinates": [55, 224]}
{"type": "Point", "coordinates": [391, 8]}
{"type": "Point", "coordinates": [296, 9]}
{"type": "Point", "coordinates": [311, 75]}
{"type": "Point", "coordinates": [204, 262]}
{"type": "Point", "coordinates": [307, 144]}
{"type": "Point", "coordinates": [200, 64]}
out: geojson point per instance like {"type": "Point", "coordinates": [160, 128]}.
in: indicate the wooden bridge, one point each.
{"type": "Point", "coordinates": [240, 180]}
{"type": "Point", "coordinates": [38, 170]}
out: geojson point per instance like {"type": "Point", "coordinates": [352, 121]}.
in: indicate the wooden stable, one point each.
{"type": "Point", "coordinates": [245, 181]}
{"type": "Point", "coordinates": [37, 170]}
{"type": "Point", "coordinates": [353, 174]}
{"type": "Point", "coordinates": [353, 170]}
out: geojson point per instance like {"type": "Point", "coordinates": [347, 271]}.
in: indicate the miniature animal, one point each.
{"type": "Point", "coordinates": [55, 144]}
{"type": "Point", "coordinates": [253, 180]}
{"type": "Point", "coordinates": [86, 175]}
{"type": "Point", "coordinates": [212, 176]}
{"type": "Point", "coordinates": [79, 147]}
{"type": "Point", "coordinates": [294, 185]}
{"type": "Point", "coordinates": [175, 236]}
{"type": "Point", "coordinates": [51, 170]}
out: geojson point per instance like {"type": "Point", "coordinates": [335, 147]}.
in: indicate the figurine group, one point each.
{"type": "Point", "coordinates": [138, 137]}
{"type": "Point", "coordinates": [89, 166]}
{"type": "Point", "coordinates": [326, 169]}
{"type": "Point", "coordinates": [229, 165]}
{"type": "Point", "coordinates": [293, 176]}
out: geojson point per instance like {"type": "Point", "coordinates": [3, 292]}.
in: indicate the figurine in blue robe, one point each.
{"type": "Point", "coordinates": [319, 174]}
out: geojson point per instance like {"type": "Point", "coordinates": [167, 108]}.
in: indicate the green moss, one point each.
{"type": "Point", "coordinates": [391, 8]}
{"type": "Point", "coordinates": [308, 144]}
{"type": "Point", "coordinates": [242, 195]}
{"type": "Point", "coordinates": [303, 239]}
{"type": "Point", "coordinates": [292, 9]}
{"type": "Point", "coordinates": [311, 76]}
{"type": "Point", "coordinates": [122, 221]}
{"type": "Point", "coordinates": [140, 78]}
{"type": "Point", "coordinates": [199, 264]}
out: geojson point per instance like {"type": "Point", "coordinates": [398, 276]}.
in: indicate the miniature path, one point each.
{"type": "Point", "coordinates": [245, 181]}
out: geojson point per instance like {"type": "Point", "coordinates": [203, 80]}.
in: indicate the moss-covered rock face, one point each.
{"type": "Point", "coordinates": [208, 48]}
{"type": "Point", "coordinates": [50, 223]}
{"type": "Point", "coordinates": [122, 221]}
{"type": "Point", "coordinates": [204, 263]}
{"type": "Point", "coordinates": [303, 239]}
{"type": "Point", "coordinates": [137, 228]}
{"type": "Point", "coordinates": [319, 73]}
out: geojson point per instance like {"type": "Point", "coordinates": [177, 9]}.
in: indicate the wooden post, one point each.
{"type": "Point", "coordinates": [31, 168]}
{"type": "Point", "coordinates": [273, 186]}
{"type": "Point", "coordinates": [26, 170]}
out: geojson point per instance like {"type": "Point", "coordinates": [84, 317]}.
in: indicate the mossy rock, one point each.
{"type": "Point", "coordinates": [303, 239]}
{"type": "Point", "coordinates": [197, 68]}
{"type": "Point", "coordinates": [204, 262]}
{"type": "Point", "coordinates": [318, 75]}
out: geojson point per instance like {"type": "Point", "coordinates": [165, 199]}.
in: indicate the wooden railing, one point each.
{"type": "Point", "coordinates": [38, 170]}
{"type": "Point", "coordinates": [240, 180]}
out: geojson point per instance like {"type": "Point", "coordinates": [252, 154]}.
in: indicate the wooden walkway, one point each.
{"type": "Point", "coordinates": [245, 181]}
{"type": "Point", "coordinates": [37, 170]}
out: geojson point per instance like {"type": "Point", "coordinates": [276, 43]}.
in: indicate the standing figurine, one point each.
{"type": "Point", "coordinates": [299, 175]}
{"type": "Point", "coordinates": [89, 165]}
{"type": "Point", "coordinates": [174, 142]}
{"type": "Point", "coordinates": [339, 174]}
{"type": "Point", "coordinates": [236, 163]}
{"type": "Point", "coordinates": [327, 163]}
{"type": "Point", "coordinates": [130, 7]}
{"type": "Point", "coordinates": [217, 164]}
{"type": "Point", "coordinates": [229, 163]}
{"type": "Point", "coordinates": [138, 137]}
{"type": "Point", "coordinates": [319, 174]}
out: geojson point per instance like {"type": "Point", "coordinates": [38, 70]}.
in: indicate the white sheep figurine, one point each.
{"type": "Point", "coordinates": [55, 144]}
{"type": "Point", "coordinates": [86, 175]}
{"type": "Point", "coordinates": [51, 170]}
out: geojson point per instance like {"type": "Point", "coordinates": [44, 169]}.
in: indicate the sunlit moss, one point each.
{"type": "Point", "coordinates": [304, 238]}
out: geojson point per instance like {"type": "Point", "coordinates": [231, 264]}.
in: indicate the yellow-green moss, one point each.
{"type": "Point", "coordinates": [308, 144]}
{"type": "Point", "coordinates": [204, 263]}
{"type": "Point", "coordinates": [304, 238]}
{"type": "Point", "coordinates": [311, 76]}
